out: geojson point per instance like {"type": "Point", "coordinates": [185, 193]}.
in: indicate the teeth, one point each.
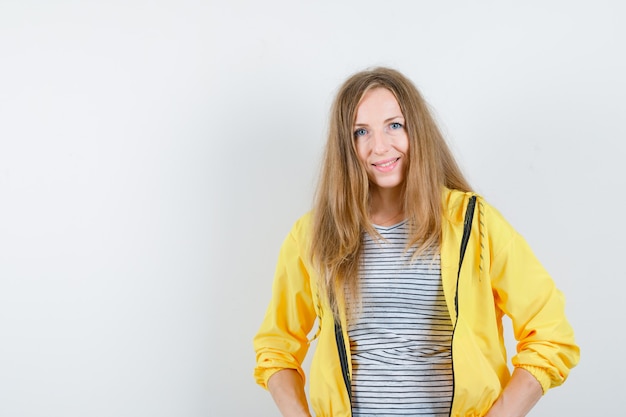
{"type": "Point", "coordinates": [386, 164]}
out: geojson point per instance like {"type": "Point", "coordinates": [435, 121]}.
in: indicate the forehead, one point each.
{"type": "Point", "coordinates": [378, 102]}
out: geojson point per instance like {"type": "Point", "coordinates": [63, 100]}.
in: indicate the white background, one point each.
{"type": "Point", "coordinates": [153, 155]}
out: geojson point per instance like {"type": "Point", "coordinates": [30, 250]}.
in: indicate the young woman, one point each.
{"type": "Point", "coordinates": [408, 274]}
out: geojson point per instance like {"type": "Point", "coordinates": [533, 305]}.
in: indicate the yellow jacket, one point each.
{"type": "Point", "coordinates": [500, 275]}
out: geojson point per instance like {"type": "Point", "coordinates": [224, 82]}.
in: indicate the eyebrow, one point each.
{"type": "Point", "coordinates": [385, 121]}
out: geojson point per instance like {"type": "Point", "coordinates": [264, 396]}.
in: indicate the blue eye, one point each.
{"type": "Point", "coordinates": [360, 132]}
{"type": "Point", "coordinates": [396, 125]}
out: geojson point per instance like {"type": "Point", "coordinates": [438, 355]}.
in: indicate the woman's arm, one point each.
{"type": "Point", "coordinates": [524, 291]}
{"type": "Point", "coordinates": [519, 396]}
{"type": "Point", "coordinates": [287, 389]}
{"type": "Point", "coordinates": [282, 340]}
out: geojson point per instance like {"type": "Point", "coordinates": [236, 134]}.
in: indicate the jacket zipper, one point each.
{"type": "Point", "coordinates": [343, 359]}
{"type": "Point", "coordinates": [467, 229]}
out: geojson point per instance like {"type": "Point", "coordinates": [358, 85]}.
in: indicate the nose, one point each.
{"type": "Point", "coordinates": [381, 143]}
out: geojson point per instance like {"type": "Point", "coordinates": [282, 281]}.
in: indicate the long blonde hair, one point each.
{"type": "Point", "coordinates": [341, 209]}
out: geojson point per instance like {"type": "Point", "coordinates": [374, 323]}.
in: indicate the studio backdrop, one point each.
{"type": "Point", "coordinates": [154, 155]}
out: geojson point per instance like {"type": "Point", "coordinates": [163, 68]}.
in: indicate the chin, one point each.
{"type": "Point", "coordinates": [388, 185]}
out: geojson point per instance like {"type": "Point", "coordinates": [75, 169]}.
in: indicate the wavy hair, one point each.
{"type": "Point", "coordinates": [341, 208]}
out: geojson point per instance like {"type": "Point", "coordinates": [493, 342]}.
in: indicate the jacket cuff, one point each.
{"type": "Point", "coordinates": [540, 375]}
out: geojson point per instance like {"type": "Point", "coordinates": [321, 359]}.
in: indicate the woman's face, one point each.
{"type": "Point", "coordinates": [381, 139]}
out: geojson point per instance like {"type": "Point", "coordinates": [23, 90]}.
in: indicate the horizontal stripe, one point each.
{"type": "Point", "coordinates": [400, 342]}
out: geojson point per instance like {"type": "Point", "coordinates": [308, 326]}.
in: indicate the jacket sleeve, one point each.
{"type": "Point", "coordinates": [282, 340]}
{"type": "Point", "coordinates": [525, 292]}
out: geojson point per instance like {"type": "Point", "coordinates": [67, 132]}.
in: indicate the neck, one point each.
{"type": "Point", "coordinates": [386, 206]}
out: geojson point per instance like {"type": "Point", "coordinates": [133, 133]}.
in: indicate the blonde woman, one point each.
{"type": "Point", "coordinates": [408, 274]}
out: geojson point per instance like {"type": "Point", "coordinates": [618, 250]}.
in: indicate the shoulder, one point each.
{"type": "Point", "coordinates": [302, 226]}
{"type": "Point", "coordinates": [455, 202]}
{"type": "Point", "coordinates": [300, 233]}
{"type": "Point", "coordinates": [455, 205]}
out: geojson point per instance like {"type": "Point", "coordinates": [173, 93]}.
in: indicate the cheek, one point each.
{"type": "Point", "coordinates": [405, 144]}
{"type": "Point", "coordinates": [361, 151]}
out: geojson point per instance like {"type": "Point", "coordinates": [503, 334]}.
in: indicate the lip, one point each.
{"type": "Point", "coordinates": [386, 165]}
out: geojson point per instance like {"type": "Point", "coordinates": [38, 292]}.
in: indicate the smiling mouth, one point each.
{"type": "Point", "coordinates": [386, 164]}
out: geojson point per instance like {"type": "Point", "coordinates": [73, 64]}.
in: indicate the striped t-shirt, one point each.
{"type": "Point", "coordinates": [401, 341]}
